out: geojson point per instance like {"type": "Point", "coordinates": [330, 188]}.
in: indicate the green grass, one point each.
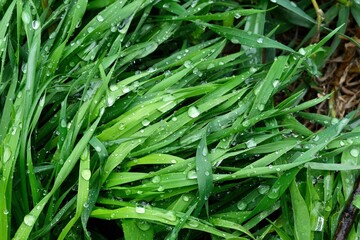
{"type": "Point", "coordinates": [158, 120]}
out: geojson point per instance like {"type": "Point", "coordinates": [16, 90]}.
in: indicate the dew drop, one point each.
{"type": "Point", "coordinates": [302, 51]}
{"type": "Point", "coordinates": [140, 208]}
{"type": "Point", "coordinates": [63, 123]}
{"type": "Point", "coordinates": [354, 152]}
{"type": "Point", "coordinates": [246, 123]}
{"type": "Point", "coordinates": [90, 29]}
{"type": "Point", "coordinates": [293, 4]}
{"type": "Point", "coordinates": [276, 83]}
{"type": "Point", "coordinates": [237, 15]}
{"type": "Point", "coordinates": [334, 121]}
{"type": "Point", "coordinates": [188, 64]}
{"type": "Point", "coordinates": [260, 40]}
{"type": "Point", "coordinates": [99, 18]}
{"type": "Point", "coordinates": [86, 174]}
{"type": "Point", "coordinates": [185, 198]}
{"type": "Point", "coordinates": [261, 107]}
{"type": "Point", "coordinates": [35, 24]}
{"type": "Point", "coordinates": [29, 220]}
{"type": "Point", "coordinates": [205, 152]}
{"type": "Point", "coordinates": [98, 149]}
{"type": "Point", "coordinates": [145, 122]}
{"type": "Point", "coordinates": [25, 17]}
{"type": "Point", "coordinates": [319, 224]}
{"type": "Point", "coordinates": [191, 174]}
{"type": "Point", "coordinates": [274, 1]}
{"type": "Point", "coordinates": [263, 189]}
{"type": "Point", "coordinates": [342, 143]}
{"type": "Point", "coordinates": [121, 126]}
{"type": "Point", "coordinates": [316, 138]}
{"type": "Point", "coordinates": [143, 225]}
{"type": "Point", "coordinates": [193, 112]}
{"type": "Point", "coordinates": [193, 223]}
{"type": "Point", "coordinates": [252, 70]}
{"type": "Point", "coordinates": [241, 205]}
{"type": "Point", "coordinates": [110, 101]}
{"type": "Point", "coordinates": [170, 215]}
{"type": "Point", "coordinates": [274, 193]}
{"type": "Point", "coordinates": [250, 143]}
{"type": "Point", "coordinates": [7, 153]}
{"type": "Point", "coordinates": [126, 90]}
{"type": "Point", "coordinates": [113, 87]}
{"type": "Point", "coordinates": [161, 188]}
{"type": "Point", "coordinates": [6, 212]}
{"type": "Point", "coordinates": [156, 179]}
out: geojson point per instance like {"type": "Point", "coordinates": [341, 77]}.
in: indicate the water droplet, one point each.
{"type": "Point", "coordinates": [342, 143]}
{"type": "Point", "coordinates": [193, 112]}
{"type": "Point", "coordinates": [170, 215]}
{"type": "Point", "coordinates": [274, 192]}
{"type": "Point", "coordinates": [90, 29]}
{"type": "Point", "coordinates": [188, 64]}
{"type": "Point", "coordinates": [174, 119]}
{"type": "Point", "coordinates": [260, 40]}
{"type": "Point", "coordinates": [263, 189]}
{"type": "Point", "coordinates": [99, 18]}
{"type": "Point", "coordinates": [185, 198]}
{"type": "Point", "coordinates": [274, 1]}
{"type": "Point", "coordinates": [29, 220]}
{"type": "Point", "coordinates": [113, 87]}
{"type": "Point", "coordinates": [319, 224]}
{"type": "Point", "coordinates": [161, 188]}
{"type": "Point", "coordinates": [110, 101]}
{"type": "Point", "coordinates": [354, 152]}
{"type": "Point", "coordinates": [126, 89]}
{"type": "Point", "coordinates": [42, 101]}
{"type": "Point", "coordinates": [7, 153]}
{"type": "Point", "coordinates": [173, 161]}
{"type": "Point", "coordinates": [86, 174]}
{"type": "Point", "coordinates": [166, 5]}
{"type": "Point", "coordinates": [24, 68]}
{"type": "Point", "coordinates": [121, 126]}
{"type": "Point", "coordinates": [261, 107]}
{"type": "Point", "coordinates": [6, 212]}
{"type": "Point", "coordinates": [250, 143]}
{"type": "Point", "coordinates": [156, 179]}
{"type": "Point", "coordinates": [276, 83]}
{"type": "Point", "coordinates": [316, 138]}
{"type": "Point", "coordinates": [246, 123]}
{"type": "Point", "coordinates": [252, 70]}
{"type": "Point", "coordinates": [193, 223]}
{"type": "Point", "coordinates": [205, 152]}
{"type": "Point", "coordinates": [25, 17]}
{"type": "Point", "coordinates": [63, 123]}
{"type": "Point", "coordinates": [237, 15]}
{"type": "Point", "coordinates": [151, 69]}
{"type": "Point", "coordinates": [98, 149]}
{"type": "Point", "coordinates": [140, 208]}
{"type": "Point", "coordinates": [211, 65]}
{"type": "Point", "coordinates": [207, 173]}
{"type": "Point", "coordinates": [191, 174]}
{"type": "Point", "coordinates": [86, 205]}
{"type": "Point", "coordinates": [35, 24]}
{"type": "Point", "coordinates": [143, 225]}
{"type": "Point", "coordinates": [293, 4]}
{"type": "Point", "coordinates": [302, 51]}
{"type": "Point", "coordinates": [334, 121]}
{"type": "Point", "coordinates": [241, 205]}
{"type": "Point", "coordinates": [145, 122]}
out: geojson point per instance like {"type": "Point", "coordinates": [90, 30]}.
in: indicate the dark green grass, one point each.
{"type": "Point", "coordinates": [157, 119]}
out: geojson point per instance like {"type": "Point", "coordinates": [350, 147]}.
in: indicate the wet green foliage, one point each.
{"type": "Point", "coordinates": [158, 119]}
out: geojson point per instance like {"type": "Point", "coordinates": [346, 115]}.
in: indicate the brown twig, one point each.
{"type": "Point", "coordinates": [348, 216]}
